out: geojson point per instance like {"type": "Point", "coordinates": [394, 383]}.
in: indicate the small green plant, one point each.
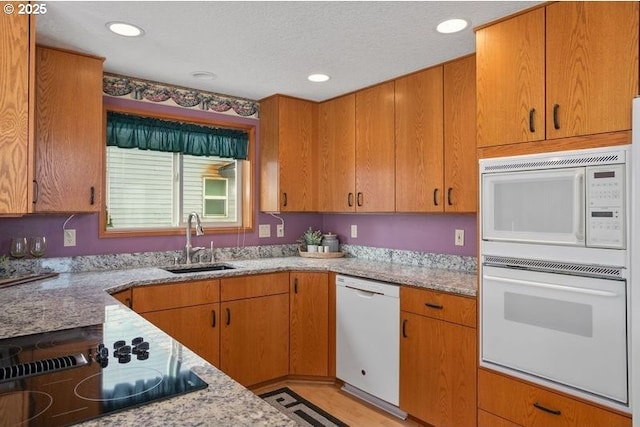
{"type": "Point", "coordinates": [311, 237]}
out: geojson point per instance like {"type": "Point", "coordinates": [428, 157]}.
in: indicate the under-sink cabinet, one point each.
{"type": "Point", "coordinates": [254, 329]}
{"type": "Point", "coordinates": [438, 357]}
{"type": "Point", "coordinates": [309, 323]}
{"type": "Point", "coordinates": [188, 311]}
{"type": "Point", "coordinates": [519, 403]}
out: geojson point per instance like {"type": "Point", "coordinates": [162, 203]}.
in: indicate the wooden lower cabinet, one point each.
{"type": "Point", "coordinates": [254, 339]}
{"type": "Point", "coordinates": [437, 362]}
{"type": "Point", "coordinates": [254, 334]}
{"type": "Point", "coordinates": [188, 311]}
{"type": "Point", "coordinates": [124, 297]}
{"type": "Point", "coordinates": [527, 405]}
{"type": "Point", "coordinates": [197, 327]}
{"type": "Point", "coordinates": [309, 323]}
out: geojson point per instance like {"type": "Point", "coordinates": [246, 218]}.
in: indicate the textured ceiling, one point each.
{"type": "Point", "coordinates": [257, 49]}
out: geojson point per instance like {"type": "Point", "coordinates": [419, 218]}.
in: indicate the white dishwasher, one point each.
{"type": "Point", "coordinates": [368, 339]}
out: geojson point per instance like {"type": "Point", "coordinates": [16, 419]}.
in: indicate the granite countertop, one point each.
{"type": "Point", "coordinates": [79, 299]}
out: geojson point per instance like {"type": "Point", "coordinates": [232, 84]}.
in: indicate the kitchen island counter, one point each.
{"type": "Point", "coordinates": [79, 299]}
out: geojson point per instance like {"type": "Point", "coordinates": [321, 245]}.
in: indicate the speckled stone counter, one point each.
{"type": "Point", "coordinates": [79, 299]}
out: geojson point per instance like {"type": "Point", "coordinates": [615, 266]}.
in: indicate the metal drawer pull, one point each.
{"type": "Point", "coordinates": [92, 196]}
{"type": "Point", "coordinates": [435, 197]}
{"type": "Point", "coordinates": [449, 196]}
{"type": "Point", "coordinates": [436, 306]}
{"type": "Point", "coordinates": [556, 123]}
{"type": "Point", "coordinates": [359, 199]}
{"type": "Point", "coordinates": [284, 199]}
{"type": "Point", "coordinates": [350, 199]}
{"type": "Point", "coordinates": [228, 316]}
{"type": "Point", "coordinates": [36, 191]}
{"type": "Point", "coordinates": [295, 285]}
{"type": "Point", "coordinates": [550, 411]}
{"type": "Point", "coordinates": [213, 320]}
{"type": "Point", "coordinates": [404, 328]}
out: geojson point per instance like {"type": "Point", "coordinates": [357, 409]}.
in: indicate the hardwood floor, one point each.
{"type": "Point", "coordinates": [348, 409]}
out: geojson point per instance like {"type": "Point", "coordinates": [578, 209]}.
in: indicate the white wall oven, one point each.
{"type": "Point", "coordinates": [554, 270]}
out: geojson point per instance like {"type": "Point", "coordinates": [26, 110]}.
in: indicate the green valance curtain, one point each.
{"type": "Point", "coordinates": [144, 133]}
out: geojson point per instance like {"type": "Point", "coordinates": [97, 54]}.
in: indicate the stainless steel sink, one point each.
{"type": "Point", "coordinates": [198, 268]}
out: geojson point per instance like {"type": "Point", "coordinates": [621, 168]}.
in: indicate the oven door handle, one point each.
{"type": "Point", "coordinates": [579, 203]}
{"type": "Point", "coordinates": [595, 292]}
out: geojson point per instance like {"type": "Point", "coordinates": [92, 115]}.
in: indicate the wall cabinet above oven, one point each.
{"type": "Point", "coordinates": [564, 70]}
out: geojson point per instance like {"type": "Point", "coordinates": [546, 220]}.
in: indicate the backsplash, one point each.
{"type": "Point", "coordinates": [152, 259]}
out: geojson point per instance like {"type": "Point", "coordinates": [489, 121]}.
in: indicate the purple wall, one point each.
{"type": "Point", "coordinates": [429, 233]}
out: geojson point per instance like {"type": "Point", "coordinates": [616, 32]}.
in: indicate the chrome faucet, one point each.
{"type": "Point", "coordinates": [188, 250]}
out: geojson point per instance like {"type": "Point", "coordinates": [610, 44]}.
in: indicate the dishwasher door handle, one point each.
{"type": "Point", "coordinates": [364, 291]}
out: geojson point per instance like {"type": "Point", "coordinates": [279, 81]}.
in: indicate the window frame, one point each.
{"type": "Point", "coordinates": [247, 171]}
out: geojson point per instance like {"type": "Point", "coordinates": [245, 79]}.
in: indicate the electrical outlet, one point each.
{"type": "Point", "coordinates": [459, 239]}
{"type": "Point", "coordinates": [264, 230]}
{"type": "Point", "coordinates": [280, 230]}
{"type": "Point", "coordinates": [354, 231]}
{"type": "Point", "coordinates": [69, 237]}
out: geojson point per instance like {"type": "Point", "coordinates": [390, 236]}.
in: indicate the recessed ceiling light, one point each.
{"type": "Point", "coordinates": [124, 29]}
{"type": "Point", "coordinates": [318, 78]}
{"type": "Point", "coordinates": [452, 26]}
{"type": "Point", "coordinates": [203, 75]}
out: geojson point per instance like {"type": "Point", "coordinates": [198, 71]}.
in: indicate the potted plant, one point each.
{"type": "Point", "coordinates": [311, 239]}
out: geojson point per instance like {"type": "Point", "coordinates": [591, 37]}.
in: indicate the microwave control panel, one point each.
{"type": "Point", "coordinates": [605, 206]}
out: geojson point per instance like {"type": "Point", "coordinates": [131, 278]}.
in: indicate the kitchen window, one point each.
{"type": "Point", "coordinates": [152, 191]}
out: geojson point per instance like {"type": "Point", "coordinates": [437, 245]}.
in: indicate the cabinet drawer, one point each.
{"type": "Point", "coordinates": [439, 305]}
{"type": "Point", "coordinates": [174, 295]}
{"type": "Point", "coordinates": [522, 404]}
{"type": "Point", "coordinates": [254, 286]}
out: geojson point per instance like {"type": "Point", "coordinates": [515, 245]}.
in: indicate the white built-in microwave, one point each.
{"type": "Point", "coordinates": [573, 198]}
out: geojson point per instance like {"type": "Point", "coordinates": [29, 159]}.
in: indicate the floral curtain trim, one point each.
{"type": "Point", "coordinates": [118, 86]}
{"type": "Point", "coordinates": [145, 133]}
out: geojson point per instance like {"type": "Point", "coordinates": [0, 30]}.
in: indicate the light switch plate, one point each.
{"type": "Point", "coordinates": [69, 237]}
{"type": "Point", "coordinates": [354, 231]}
{"type": "Point", "coordinates": [280, 230]}
{"type": "Point", "coordinates": [264, 230]}
{"type": "Point", "coordinates": [459, 238]}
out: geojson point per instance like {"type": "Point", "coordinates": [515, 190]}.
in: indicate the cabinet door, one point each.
{"type": "Point", "coordinates": [419, 137]}
{"type": "Point", "coordinates": [437, 371]}
{"type": "Point", "coordinates": [592, 67]}
{"type": "Point", "coordinates": [336, 174]}
{"type": "Point", "coordinates": [375, 149]}
{"type": "Point", "coordinates": [197, 327]}
{"type": "Point", "coordinates": [309, 322]}
{"type": "Point", "coordinates": [124, 297]}
{"type": "Point", "coordinates": [254, 339]}
{"type": "Point", "coordinates": [16, 45]}
{"type": "Point", "coordinates": [460, 157]}
{"type": "Point", "coordinates": [69, 132]}
{"type": "Point", "coordinates": [510, 76]}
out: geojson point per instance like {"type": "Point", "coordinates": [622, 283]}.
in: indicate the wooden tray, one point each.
{"type": "Point", "coordinates": [306, 254]}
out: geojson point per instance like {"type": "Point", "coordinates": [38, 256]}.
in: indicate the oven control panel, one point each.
{"type": "Point", "coordinates": [605, 206]}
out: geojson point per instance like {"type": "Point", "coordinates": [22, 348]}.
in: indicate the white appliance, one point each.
{"type": "Point", "coordinates": [554, 270]}
{"type": "Point", "coordinates": [368, 340]}
{"type": "Point", "coordinates": [634, 250]}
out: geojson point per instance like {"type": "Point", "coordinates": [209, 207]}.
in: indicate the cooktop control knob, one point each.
{"type": "Point", "coordinates": [137, 340]}
{"type": "Point", "coordinates": [102, 355]}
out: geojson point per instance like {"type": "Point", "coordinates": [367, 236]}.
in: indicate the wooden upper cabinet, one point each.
{"type": "Point", "coordinates": [460, 190]}
{"type": "Point", "coordinates": [287, 127]}
{"type": "Point", "coordinates": [16, 147]}
{"type": "Point", "coordinates": [592, 67]}
{"type": "Point", "coordinates": [510, 65]}
{"type": "Point", "coordinates": [336, 152]}
{"type": "Point", "coordinates": [69, 132]}
{"type": "Point", "coordinates": [419, 142]}
{"type": "Point", "coordinates": [375, 149]}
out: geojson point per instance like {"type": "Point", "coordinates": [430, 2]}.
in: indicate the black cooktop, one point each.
{"type": "Point", "coordinates": [63, 377]}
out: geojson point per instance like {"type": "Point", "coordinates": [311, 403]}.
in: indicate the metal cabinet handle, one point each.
{"type": "Point", "coordinates": [404, 328]}
{"type": "Point", "coordinates": [547, 410]}
{"type": "Point", "coordinates": [360, 199]}
{"type": "Point", "coordinates": [556, 122]}
{"type": "Point", "coordinates": [434, 306]}
{"type": "Point", "coordinates": [532, 126]}
{"type": "Point", "coordinates": [295, 285]}
{"type": "Point", "coordinates": [128, 303]}
{"type": "Point", "coordinates": [228, 316]}
{"type": "Point", "coordinates": [284, 199]}
{"type": "Point", "coordinates": [36, 191]}
{"type": "Point", "coordinates": [449, 191]}
{"type": "Point", "coordinates": [435, 197]}
{"type": "Point", "coordinates": [350, 199]}
{"type": "Point", "coordinates": [92, 197]}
